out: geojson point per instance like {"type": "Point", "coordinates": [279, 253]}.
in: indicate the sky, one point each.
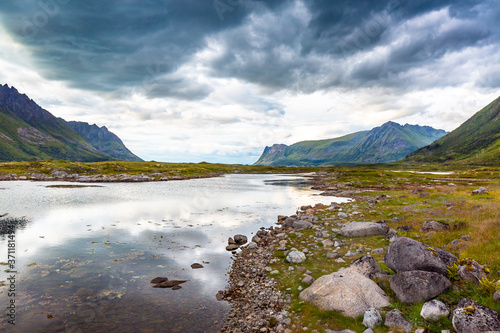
{"type": "Point", "coordinates": [218, 80]}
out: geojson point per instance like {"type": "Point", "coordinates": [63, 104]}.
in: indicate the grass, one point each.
{"type": "Point", "coordinates": [439, 200]}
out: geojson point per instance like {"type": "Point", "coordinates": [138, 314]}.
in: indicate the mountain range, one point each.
{"type": "Point", "coordinates": [29, 132]}
{"type": "Point", "coordinates": [388, 143]}
{"type": "Point", "coordinates": [476, 141]}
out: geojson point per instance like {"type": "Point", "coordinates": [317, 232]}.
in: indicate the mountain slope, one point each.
{"type": "Point", "coordinates": [103, 140]}
{"type": "Point", "coordinates": [387, 143]}
{"type": "Point", "coordinates": [475, 141]}
{"type": "Point", "coordinates": [28, 132]}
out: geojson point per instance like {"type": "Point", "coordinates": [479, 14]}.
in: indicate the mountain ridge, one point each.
{"type": "Point", "coordinates": [389, 142]}
{"type": "Point", "coordinates": [29, 132]}
{"type": "Point", "coordinates": [476, 141]}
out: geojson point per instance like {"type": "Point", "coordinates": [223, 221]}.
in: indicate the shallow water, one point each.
{"type": "Point", "coordinates": [85, 260]}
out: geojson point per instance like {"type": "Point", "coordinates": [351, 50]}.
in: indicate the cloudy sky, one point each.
{"type": "Point", "coordinates": [217, 81]}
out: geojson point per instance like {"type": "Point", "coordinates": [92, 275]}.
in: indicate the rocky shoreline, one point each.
{"type": "Point", "coordinates": [259, 306]}
{"type": "Point", "coordinates": [98, 178]}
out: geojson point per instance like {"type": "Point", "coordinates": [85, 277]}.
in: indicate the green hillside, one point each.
{"type": "Point", "coordinates": [477, 141]}
{"type": "Point", "coordinates": [387, 143]}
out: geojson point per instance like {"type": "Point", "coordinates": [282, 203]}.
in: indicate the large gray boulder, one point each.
{"type": "Point", "coordinates": [418, 286]}
{"type": "Point", "coordinates": [434, 310]}
{"type": "Point", "coordinates": [406, 254]}
{"type": "Point", "coordinates": [472, 317]}
{"type": "Point", "coordinates": [350, 294]}
{"type": "Point", "coordinates": [363, 229]}
{"type": "Point", "coordinates": [396, 319]}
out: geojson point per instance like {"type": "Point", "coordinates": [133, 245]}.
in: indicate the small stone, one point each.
{"type": "Point", "coordinates": [240, 239]}
{"type": "Point", "coordinates": [434, 310]}
{"type": "Point", "coordinates": [378, 251]}
{"type": "Point", "coordinates": [496, 295]}
{"type": "Point", "coordinates": [394, 318]}
{"type": "Point", "coordinates": [196, 266]}
{"type": "Point", "coordinates": [252, 245]}
{"type": "Point", "coordinates": [308, 280]}
{"type": "Point", "coordinates": [295, 257]}
{"type": "Point", "coordinates": [333, 255]}
{"type": "Point", "coordinates": [327, 242]}
{"type": "Point", "coordinates": [232, 247]}
{"type": "Point", "coordinates": [275, 272]}
{"type": "Point", "coordinates": [372, 318]}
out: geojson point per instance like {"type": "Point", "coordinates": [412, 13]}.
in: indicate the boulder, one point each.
{"type": "Point", "coordinates": [333, 255]}
{"type": "Point", "coordinates": [472, 317]}
{"type": "Point", "coordinates": [471, 270]}
{"type": "Point", "coordinates": [480, 190]}
{"type": "Point", "coordinates": [372, 318]}
{"type": "Point", "coordinates": [295, 257]}
{"type": "Point", "coordinates": [350, 294]}
{"type": "Point", "coordinates": [434, 310]}
{"type": "Point", "coordinates": [301, 224]}
{"type": "Point", "coordinates": [363, 229]}
{"type": "Point", "coordinates": [327, 242]}
{"type": "Point", "coordinates": [240, 239]}
{"type": "Point", "coordinates": [289, 222]}
{"type": "Point", "coordinates": [252, 245]}
{"type": "Point", "coordinates": [378, 251]}
{"type": "Point", "coordinates": [418, 286]}
{"type": "Point", "coordinates": [434, 226]}
{"type": "Point", "coordinates": [365, 265]}
{"type": "Point", "coordinates": [395, 319]}
{"type": "Point", "coordinates": [342, 215]}
{"type": "Point", "coordinates": [406, 254]}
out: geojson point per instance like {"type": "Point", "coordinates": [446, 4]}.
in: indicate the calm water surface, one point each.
{"type": "Point", "coordinates": [86, 258]}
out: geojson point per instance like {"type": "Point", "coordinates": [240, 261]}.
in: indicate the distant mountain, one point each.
{"type": "Point", "coordinates": [28, 132]}
{"type": "Point", "coordinates": [387, 143]}
{"type": "Point", "coordinates": [103, 140]}
{"type": "Point", "coordinates": [477, 141]}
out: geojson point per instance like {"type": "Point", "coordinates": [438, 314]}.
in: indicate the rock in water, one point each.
{"type": "Point", "coordinates": [406, 254]}
{"type": "Point", "coordinates": [394, 318]}
{"type": "Point", "coordinates": [434, 310]}
{"type": "Point", "coordinates": [232, 247]}
{"type": "Point", "coordinates": [372, 318]}
{"type": "Point", "coordinates": [418, 286]}
{"type": "Point", "coordinates": [196, 266]}
{"type": "Point", "coordinates": [159, 280]}
{"type": "Point", "coordinates": [169, 284]}
{"type": "Point", "coordinates": [472, 317]}
{"type": "Point", "coordinates": [350, 294]}
{"type": "Point", "coordinates": [363, 229]}
{"type": "Point", "coordinates": [240, 239]}
{"type": "Point", "coordinates": [295, 257]}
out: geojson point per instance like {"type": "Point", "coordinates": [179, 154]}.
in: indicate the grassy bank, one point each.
{"type": "Point", "coordinates": [412, 198]}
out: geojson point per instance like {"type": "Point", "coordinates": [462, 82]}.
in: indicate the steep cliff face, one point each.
{"type": "Point", "coordinates": [103, 140]}
{"type": "Point", "coordinates": [387, 143]}
{"type": "Point", "coordinates": [29, 132]}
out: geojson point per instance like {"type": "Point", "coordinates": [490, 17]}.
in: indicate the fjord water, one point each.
{"type": "Point", "coordinates": [86, 258]}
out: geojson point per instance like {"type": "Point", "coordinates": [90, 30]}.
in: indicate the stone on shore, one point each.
{"type": "Point", "coordinates": [363, 229]}
{"type": "Point", "coordinates": [472, 317]}
{"type": "Point", "coordinates": [365, 265]}
{"type": "Point", "coordinates": [295, 257]}
{"type": "Point", "coordinates": [301, 224]}
{"type": "Point", "coordinates": [232, 247]}
{"type": "Point", "coordinates": [396, 319]}
{"type": "Point", "coordinates": [434, 226]}
{"type": "Point", "coordinates": [406, 254]}
{"type": "Point", "coordinates": [418, 286]}
{"type": "Point", "coordinates": [434, 310]}
{"type": "Point", "coordinates": [372, 318]}
{"type": "Point", "coordinates": [350, 294]}
{"type": "Point", "coordinates": [240, 239]}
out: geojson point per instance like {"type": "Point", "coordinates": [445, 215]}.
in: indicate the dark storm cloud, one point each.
{"type": "Point", "coordinates": [302, 46]}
